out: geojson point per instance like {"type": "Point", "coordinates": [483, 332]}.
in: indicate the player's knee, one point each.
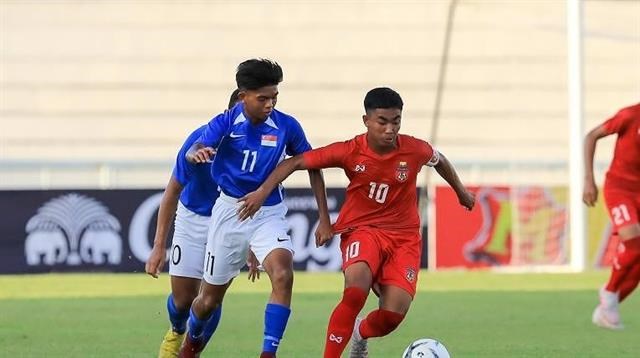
{"type": "Point", "coordinates": [629, 232]}
{"type": "Point", "coordinates": [210, 302]}
{"type": "Point", "coordinates": [355, 297]}
{"type": "Point", "coordinates": [182, 300]}
{"type": "Point", "coordinates": [281, 278]}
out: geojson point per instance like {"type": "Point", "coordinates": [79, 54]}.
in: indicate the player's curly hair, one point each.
{"type": "Point", "coordinates": [257, 73]}
{"type": "Point", "coordinates": [382, 97]}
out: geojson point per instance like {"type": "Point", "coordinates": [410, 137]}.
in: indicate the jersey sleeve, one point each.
{"type": "Point", "coordinates": [182, 171]}
{"type": "Point", "coordinates": [331, 156]}
{"type": "Point", "coordinates": [429, 155]}
{"type": "Point", "coordinates": [297, 142]}
{"type": "Point", "coordinates": [216, 129]}
{"type": "Point", "coordinates": [619, 122]}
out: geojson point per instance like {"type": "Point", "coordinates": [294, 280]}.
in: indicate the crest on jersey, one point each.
{"type": "Point", "coordinates": [410, 274]}
{"type": "Point", "coordinates": [402, 172]}
{"type": "Point", "coordinates": [359, 168]}
{"type": "Point", "coordinates": [269, 140]}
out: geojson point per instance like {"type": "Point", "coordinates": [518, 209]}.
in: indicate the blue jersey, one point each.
{"type": "Point", "coordinates": [199, 191]}
{"type": "Point", "coordinates": [247, 153]}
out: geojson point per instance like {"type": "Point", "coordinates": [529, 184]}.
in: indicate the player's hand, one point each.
{"type": "Point", "coordinates": [202, 155]}
{"type": "Point", "coordinates": [253, 264]}
{"type": "Point", "coordinates": [590, 193]}
{"type": "Point", "coordinates": [156, 260]}
{"type": "Point", "coordinates": [324, 233]}
{"type": "Point", "coordinates": [251, 203]}
{"type": "Point", "coordinates": [467, 199]}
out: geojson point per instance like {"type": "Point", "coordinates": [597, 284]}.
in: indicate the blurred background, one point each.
{"type": "Point", "coordinates": [99, 95]}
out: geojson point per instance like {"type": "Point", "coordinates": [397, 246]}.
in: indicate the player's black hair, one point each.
{"type": "Point", "coordinates": [382, 97]}
{"type": "Point", "coordinates": [233, 99]}
{"type": "Point", "coordinates": [257, 73]}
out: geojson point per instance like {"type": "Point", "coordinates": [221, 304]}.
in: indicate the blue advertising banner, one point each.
{"type": "Point", "coordinates": [112, 230]}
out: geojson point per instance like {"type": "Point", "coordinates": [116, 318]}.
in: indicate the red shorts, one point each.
{"type": "Point", "coordinates": [392, 256]}
{"type": "Point", "coordinates": [623, 206]}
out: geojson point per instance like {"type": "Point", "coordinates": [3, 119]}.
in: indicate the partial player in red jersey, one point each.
{"type": "Point", "coordinates": [622, 196]}
{"type": "Point", "coordinates": [379, 223]}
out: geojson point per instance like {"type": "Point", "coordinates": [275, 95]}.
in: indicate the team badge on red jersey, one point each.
{"type": "Point", "coordinates": [402, 172]}
{"type": "Point", "coordinates": [410, 274]}
{"type": "Point", "coordinates": [359, 168]}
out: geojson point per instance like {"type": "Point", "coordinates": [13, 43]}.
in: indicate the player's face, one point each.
{"type": "Point", "coordinates": [383, 125]}
{"type": "Point", "coordinates": [259, 104]}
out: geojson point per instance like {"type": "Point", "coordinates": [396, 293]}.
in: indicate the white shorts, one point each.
{"type": "Point", "coordinates": [229, 239]}
{"type": "Point", "coordinates": [189, 242]}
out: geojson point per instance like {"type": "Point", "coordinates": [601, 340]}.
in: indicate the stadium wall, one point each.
{"type": "Point", "coordinates": [105, 81]}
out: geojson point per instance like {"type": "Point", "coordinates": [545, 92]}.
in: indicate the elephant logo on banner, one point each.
{"type": "Point", "coordinates": [73, 229]}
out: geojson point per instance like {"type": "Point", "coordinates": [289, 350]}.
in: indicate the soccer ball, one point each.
{"type": "Point", "coordinates": [426, 348]}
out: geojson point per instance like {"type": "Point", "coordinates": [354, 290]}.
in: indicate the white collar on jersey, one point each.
{"type": "Point", "coordinates": [271, 123]}
{"type": "Point", "coordinates": [241, 118]}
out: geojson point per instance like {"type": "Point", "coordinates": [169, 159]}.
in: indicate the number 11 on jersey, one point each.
{"type": "Point", "coordinates": [249, 153]}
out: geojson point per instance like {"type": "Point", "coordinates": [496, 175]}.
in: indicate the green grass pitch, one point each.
{"type": "Point", "coordinates": [475, 314]}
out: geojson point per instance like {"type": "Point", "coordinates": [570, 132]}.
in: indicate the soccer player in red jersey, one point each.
{"type": "Point", "coordinates": [622, 196]}
{"type": "Point", "coordinates": [379, 222]}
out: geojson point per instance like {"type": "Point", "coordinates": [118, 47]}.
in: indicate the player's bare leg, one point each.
{"type": "Point", "coordinates": [208, 300]}
{"type": "Point", "coordinates": [279, 266]}
{"type": "Point", "coordinates": [607, 314]}
{"type": "Point", "coordinates": [358, 279]}
{"type": "Point", "coordinates": [393, 305]}
{"type": "Point", "coordinates": [183, 292]}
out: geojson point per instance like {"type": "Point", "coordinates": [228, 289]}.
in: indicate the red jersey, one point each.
{"type": "Point", "coordinates": [382, 188]}
{"type": "Point", "coordinates": [624, 170]}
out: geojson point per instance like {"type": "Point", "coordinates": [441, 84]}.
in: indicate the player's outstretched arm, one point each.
{"type": "Point", "coordinates": [199, 153]}
{"type": "Point", "coordinates": [324, 232]}
{"type": "Point", "coordinates": [448, 173]}
{"type": "Point", "coordinates": [254, 200]}
{"type": "Point", "coordinates": [590, 190]}
{"type": "Point", "coordinates": [168, 207]}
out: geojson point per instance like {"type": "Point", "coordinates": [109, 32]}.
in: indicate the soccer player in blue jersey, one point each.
{"type": "Point", "coordinates": [190, 194]}
{"type": "Point", "coordinates": [248, 142]}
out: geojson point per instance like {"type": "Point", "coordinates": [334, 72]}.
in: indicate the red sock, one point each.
{"type": "Point", "coordinates": [267, 355]}
{"type": "Point", "coordinates": [628, 255]}
{"type": "Point", "coordinates": [342, 320]}
{"type": "Point", "coordinates": [379, 323]}
{"type": "Point", "coordinates": [630, 282]}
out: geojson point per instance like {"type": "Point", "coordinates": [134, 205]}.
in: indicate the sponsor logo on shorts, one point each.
{"type": "Point", "coordinates": [410, 274]}
{"type": "Point", "coordinates": [282, 239]}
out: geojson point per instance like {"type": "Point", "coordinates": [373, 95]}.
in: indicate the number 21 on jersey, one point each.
{"type": "Point", "coordinates": [620, 214]}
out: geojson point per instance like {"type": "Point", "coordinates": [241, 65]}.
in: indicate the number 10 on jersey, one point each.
{"type": "Point", "coordinates": [378, 191]}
